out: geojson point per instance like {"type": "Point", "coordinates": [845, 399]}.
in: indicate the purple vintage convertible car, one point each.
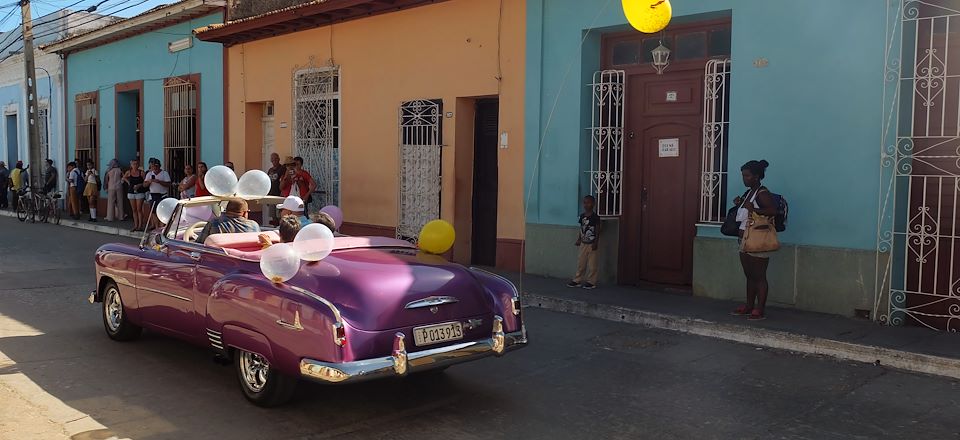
{"type": "Point", "coordinates": [376, 307]}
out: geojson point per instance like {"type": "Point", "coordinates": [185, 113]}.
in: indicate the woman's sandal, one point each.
{"type": "Point", "coordinates": [740, 311]}
{"type": "Point", "coordinates": [756, 315]}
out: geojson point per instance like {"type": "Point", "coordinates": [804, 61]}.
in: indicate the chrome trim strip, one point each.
{"type": "Point", "coordinates": [296, 322]}
{"type": "Point", "coordinates": [215, 338]}
{"type": "Point", "coordinates": [430, 302]}
{"type": "Point", "coordinates": [401, 362]}
{"type": "Point", "coordinates": [182, 298]}
{"type": "Point", "coordinates": [333, 308]}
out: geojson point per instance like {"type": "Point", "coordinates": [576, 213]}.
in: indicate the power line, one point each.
{"type": "Point", "coordinates": [38, 23]}
{"type": "Point", "coordinates": [66, 30]}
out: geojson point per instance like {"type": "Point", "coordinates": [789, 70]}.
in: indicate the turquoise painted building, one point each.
{"type": "Point", "coordinates": [145, 87]}
{"type": "Point", "coordinates": [821, 89]}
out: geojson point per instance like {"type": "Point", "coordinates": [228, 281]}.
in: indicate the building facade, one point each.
{"type": "Point", "coordinates": [823, 90]}
{"type": "Point", "coordinates": [49, 75]}
{"type": "Point", "coordinates": [404, 111]}
{"type": "Point", "coordinates": [145, 87]}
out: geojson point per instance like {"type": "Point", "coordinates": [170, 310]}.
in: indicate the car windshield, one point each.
{"type": "Point", "coordinates": [192, 217]}
{"type": "Point", "coordinates": [188, 221]}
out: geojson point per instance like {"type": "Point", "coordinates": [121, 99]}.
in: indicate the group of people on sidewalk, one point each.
{"type": "Point", "coordinates": [133, 193]}
{"type": "Point", "coordinates": [757, 202]}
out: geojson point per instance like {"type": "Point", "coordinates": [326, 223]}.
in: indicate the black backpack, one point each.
{"type": "Point", "coordinates": [731, 227]}
{"type": "Point", "coordinates": [783, 209]}
{"type": "Point", "coordinates": [99, 185]}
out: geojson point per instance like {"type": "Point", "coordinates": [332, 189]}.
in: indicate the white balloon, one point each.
{"type": "Point", "coordinates": [165, 209]}
{"type": "Point", "coordinates": [254, 183]}
{"type": "Point", "coordinates": [314, 242]}
{"type": "Point", "coordinates": [279, 263]}
{"type": "Point", "coordinates": [220, 181]}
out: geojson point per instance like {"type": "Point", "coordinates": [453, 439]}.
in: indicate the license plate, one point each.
{"type": "Point", "coordinates": [435, 334]}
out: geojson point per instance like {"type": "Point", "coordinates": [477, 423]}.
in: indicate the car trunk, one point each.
{"type": "Point", "coordinates": [373, 288]}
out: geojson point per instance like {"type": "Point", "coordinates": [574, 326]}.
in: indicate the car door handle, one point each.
{"type": "Point", "coordinates": [195, 256]}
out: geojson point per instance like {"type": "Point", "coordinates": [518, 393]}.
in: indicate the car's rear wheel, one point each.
{"type": "Point", "coordinates": [115, 321]}
{"type": "Point", "coordinates": [261, 384]}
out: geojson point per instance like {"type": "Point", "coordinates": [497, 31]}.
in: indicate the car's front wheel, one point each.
{"type": "Point", "coordinates": [115, 321]}
{"type": "Point", "coordinates": [262, 385]}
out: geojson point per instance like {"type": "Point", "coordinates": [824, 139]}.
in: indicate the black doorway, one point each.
{"type": "Point", "coordinates": [484, 240]}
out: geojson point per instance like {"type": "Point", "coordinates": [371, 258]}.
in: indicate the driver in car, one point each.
{"type": "Point", "coordinates": [233, 219]}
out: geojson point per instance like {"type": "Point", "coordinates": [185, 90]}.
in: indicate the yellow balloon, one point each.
{"type": "Point", "coordinates": [437, 237]}
{"type": "Point", "coordinates": [648, 16]}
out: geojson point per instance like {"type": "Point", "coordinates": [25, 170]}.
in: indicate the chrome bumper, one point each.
{"type": "Point", "coordinates": [400, 362]}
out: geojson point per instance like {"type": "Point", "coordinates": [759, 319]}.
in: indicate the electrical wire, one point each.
{"type": "Point", "coordinates": [95, 17]}
{"type": "Point", "coordinates": [38, 23]}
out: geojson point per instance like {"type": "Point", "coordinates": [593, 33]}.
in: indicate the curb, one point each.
{"type": "Point", "coordinates": [902, 360]}
{"type": "Point", "coordinates": [70, 223]}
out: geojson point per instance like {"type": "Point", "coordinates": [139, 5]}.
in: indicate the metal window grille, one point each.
{"type": "Point", "coordinates": [88, 143]}
{"type": "Point", "coordinates": [918, 233]}
{"type": "Point", "coordinates": [179, 127]}
{"type": "Point", "coordinates": [317, 133]}
{"type": "Point", "coordinates": [606, 141]}
{"type": "Point", "coordinates": [43, 124]}
{"type": "Point", "coordinates": [420, 166]}
{"type": "Point", "coordinates": [716, 127]}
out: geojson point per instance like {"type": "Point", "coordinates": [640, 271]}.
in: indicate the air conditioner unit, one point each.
{"type": "Point", "coordinates": [181, 44]}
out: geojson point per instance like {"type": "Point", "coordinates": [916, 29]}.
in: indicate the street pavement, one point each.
{"type": "Point", "coordinates": [579, 378]}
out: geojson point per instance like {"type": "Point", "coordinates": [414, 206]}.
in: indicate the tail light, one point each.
{"type": "Point", "coordinates": [339, 334]}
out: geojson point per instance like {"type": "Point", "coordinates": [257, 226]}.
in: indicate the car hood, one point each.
{"type": "Point", "coordinates": [373, 287]}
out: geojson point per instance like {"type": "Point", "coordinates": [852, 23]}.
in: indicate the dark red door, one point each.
{"type": "Point", "coordinates": [662, 161]}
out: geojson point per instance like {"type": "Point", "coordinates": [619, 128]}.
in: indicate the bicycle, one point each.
{"type": "Point", "coordinates": [27, 206]}
{"type": "Point", "coordinates": [52, 211]}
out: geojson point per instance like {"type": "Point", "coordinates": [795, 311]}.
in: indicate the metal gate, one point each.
{"type": "Point", "coordinates": [420, 166]}
{"type": "Point", "coordinates": [606, 139]}
{"type": "Point", "coordinates": [918, 232]}
{"type": "Point", "coordinates": [179, 128]}
{"type": "Point", "coordinates": [88, 141]}
{"type": "Point", "coordinates": [317, 131]}
{"type": "Point", "coordinates": [716, 128]}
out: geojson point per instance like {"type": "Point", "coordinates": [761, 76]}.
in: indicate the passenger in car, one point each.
{"type": "Point", "coordinates": [233, 219]}
{"type": "Point", "coordinates": [293, 205]}
{"type": "Point", "coordinates": [288, 229]}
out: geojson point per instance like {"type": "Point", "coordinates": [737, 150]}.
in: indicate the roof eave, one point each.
{"type": "Point", "coordinates": [291, 20]}
{"type": "Point", "coordinates": [103, 35]}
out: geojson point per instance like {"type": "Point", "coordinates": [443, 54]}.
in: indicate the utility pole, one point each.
{"type": "Point", "coordinates": [36, 156]}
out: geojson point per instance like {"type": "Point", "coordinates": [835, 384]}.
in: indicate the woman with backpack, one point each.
{"type": "Point", "coordinates": [92, 189]}
{"type": "Point", "coordinates": [755, 213]}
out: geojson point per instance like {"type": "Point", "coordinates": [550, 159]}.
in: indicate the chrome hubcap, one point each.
{"type": "Point", "coordinates": [113, 309]}
{"type": "Point", "coordinates": [254, 369]}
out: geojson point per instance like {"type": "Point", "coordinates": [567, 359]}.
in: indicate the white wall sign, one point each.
{"type": "Point", "coordinates": [670, 147]}
{"type": "Point", "coordinates": [671, 96]}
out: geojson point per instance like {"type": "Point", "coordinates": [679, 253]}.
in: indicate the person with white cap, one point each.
{"type": "Point", "coordinates": [293, 205]}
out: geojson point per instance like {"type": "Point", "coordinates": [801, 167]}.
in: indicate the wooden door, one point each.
{"type": "Point", "coordinates": [662, 162]}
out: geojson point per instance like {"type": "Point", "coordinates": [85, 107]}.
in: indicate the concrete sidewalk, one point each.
{"type": "Point", "coordinates": [907, 348]}
{"type": "Point", "coordinates": [121, 228]}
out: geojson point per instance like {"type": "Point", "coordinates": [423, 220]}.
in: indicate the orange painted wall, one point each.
{"type": "Point", "coordinates": [446, 50]}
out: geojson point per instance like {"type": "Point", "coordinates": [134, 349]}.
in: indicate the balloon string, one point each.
{"type": "Point", "coordinates": [536, 165]}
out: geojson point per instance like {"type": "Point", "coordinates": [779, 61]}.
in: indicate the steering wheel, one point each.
{"type": "Point", "coordinates": [191, 233]}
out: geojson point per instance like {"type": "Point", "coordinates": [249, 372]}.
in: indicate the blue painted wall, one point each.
{"type": "Point", "coordinates": [145, 57]}
{"type": "Point", "coordinates": [15, 143]}
{"type": "Point", "coordinates": [814, 112]}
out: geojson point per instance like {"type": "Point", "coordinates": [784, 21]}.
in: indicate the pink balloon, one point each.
{"type": "Point", "coordinates": [335, 213]}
